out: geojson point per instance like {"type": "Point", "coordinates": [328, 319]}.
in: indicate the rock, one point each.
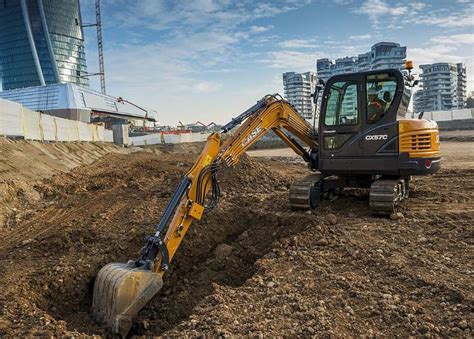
{"type": "Point", "coordinates": [422, 239]}
{"type": "Point", "coordinates": [387, 296]}
{"type": "Point", "coordinates": [27, 241]}
{"type": "Point", "coordinates": [270, 284]}
{"type": "Point", "coordinates": [331, 218]}
{"type": "Point", "coordinates": [322, 242]}
{"type": "Point", "coordinates": [463, 324]}
{"type": "Point", "coordinates": [397, 216]}
{"type": "Point", "coordinates": [456, 330]}
{"type": "Point", "coordinates": [223, 251]}
{"type": "Point", "coordinates": [4, 324]}
{"type": "Point", "coordinates": [349, 310]}
{"type": "Point", "coordinates": [244, 235]}
{"type": "Point", "coordinates": [145, 324]}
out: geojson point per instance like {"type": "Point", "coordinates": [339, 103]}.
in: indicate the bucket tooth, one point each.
{"type": "Point", "coordinates": [120, 292]}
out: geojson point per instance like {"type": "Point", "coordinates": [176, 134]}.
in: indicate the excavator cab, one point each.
{"type": "Point", "coordinates": [363, 129]}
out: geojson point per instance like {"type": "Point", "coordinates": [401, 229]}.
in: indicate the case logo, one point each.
{"type": "Point", "coordinates": [376, 137]}
{"type": "Point", "coordinates": [251, 136]}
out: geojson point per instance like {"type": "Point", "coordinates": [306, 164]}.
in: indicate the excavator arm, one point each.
{"type": "Point", "coordinates": [188, 202]}
{"type": "Point", "coordinates": [121, 290]}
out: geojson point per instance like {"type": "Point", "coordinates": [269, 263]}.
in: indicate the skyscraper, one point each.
{"type": "Point", "coordinates": [443, 87]}
{"type": "Point", "coordinates": [381, 55]}
{"type": "Point", "coordinates": [41, 42]}
{"type": "Point", "coordinates": [298, 88]}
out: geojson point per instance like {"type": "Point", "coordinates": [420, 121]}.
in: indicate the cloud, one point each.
{"type": "Point", "coordinates": [456, 39]}
{"type": "Point", "coordinates": [376, 8]}
{"type": "Point", "coordinates": [207, 87]}
{"type": "Point", "coordinates": [342, 2]}
{"type": "Point", "coordinates": [360, 37]}
{"type": "Point", "coordinates": [291, 60]}
{"type": "Point", "coordinates": [260, 29]}
{"type": "Point", "coordinates": [464, 19]}
{"type": "Point", "coordinates": [386, 15]}
{"type": "Point", "coordinates": [164, 15]}
{"type": "Point", "coordinates": [298, 43]}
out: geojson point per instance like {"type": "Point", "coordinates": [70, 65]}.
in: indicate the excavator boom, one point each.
{"type": "Point", "coordinates": [121, 290]}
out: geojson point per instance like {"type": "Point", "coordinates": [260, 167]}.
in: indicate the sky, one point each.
{"type": "Point", "coordinates": [209, 60]}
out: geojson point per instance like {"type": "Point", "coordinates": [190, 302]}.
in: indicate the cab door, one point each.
{"type": "Point", "coordinates": [340, 119]}
{"type": "Point", "coordinates": [382, 95]}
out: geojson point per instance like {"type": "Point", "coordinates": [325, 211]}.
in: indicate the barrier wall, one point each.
{"type": "Point", "coordinates": [166, 138]}
{"type": "Point", "coordinates": [458, 114]}
{"type": "Point", "coordinates": [18, 121]}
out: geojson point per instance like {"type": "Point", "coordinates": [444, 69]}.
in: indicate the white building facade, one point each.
{"type": "Point", "coordinates": [443, 87]}
{"type": "Point", "coordinates": [382, 55]}
{"type": "Point", "coordinates": [298, 88]}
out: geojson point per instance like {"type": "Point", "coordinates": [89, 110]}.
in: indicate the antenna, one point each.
{"type": "Point", "coordinates": [100, 46]}
{"type": "Point", "coordinates": [100, 49]}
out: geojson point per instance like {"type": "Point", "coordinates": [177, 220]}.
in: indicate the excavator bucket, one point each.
{"type": "Point", "coordinates": [120, 292]}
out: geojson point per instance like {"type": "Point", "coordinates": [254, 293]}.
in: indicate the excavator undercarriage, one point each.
{"type": "Point", "coordinates": [385, 194]}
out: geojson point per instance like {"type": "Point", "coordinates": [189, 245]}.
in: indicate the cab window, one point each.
{"type": "Point", "coordinates": [381, 89]}
{"type": "Point", "coordinates": [341, 106]}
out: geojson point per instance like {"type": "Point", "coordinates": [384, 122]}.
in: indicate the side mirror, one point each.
{"type": "Point", "coordinates": [319, 88]}
{"type": "Point", "coordinates": [316, 94]}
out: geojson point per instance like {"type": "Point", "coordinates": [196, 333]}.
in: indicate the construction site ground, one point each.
{"type": "Point", "coordinates": [251, 267]}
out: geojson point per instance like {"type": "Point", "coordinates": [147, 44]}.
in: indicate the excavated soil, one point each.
{"type": "Point", "coordinates": [252, 266]}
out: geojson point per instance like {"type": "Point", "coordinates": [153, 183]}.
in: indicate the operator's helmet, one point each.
{"type": "Point", "coordinates": [372, 91]}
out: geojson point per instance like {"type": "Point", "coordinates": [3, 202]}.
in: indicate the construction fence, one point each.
{"type": "Point", "coordinates": [18, 121]}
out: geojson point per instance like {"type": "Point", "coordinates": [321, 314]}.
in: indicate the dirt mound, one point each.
{"type": "Point", "coordinates": [252, 266]}
{"type": "Point", "coordinates": [93, 215]}
{"type": "Point", "coordinates": [22, 163]}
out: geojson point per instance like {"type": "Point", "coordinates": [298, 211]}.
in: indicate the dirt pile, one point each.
{"type": "Point", "coordinates": [252, 266]}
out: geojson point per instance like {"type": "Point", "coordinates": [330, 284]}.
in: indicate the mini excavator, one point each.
{"type": "Point", "coordinates": [363, 140]}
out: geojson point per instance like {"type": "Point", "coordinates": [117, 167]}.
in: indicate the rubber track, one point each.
{"type": "Point", "coordinates": [299, 192]}
{"type": "Point", "coordinates": [386, 195]}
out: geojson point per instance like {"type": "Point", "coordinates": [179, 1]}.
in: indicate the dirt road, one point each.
{"type": "Point", "coordinates": [252, 267]}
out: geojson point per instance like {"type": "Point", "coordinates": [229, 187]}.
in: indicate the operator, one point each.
{"type": "Point", "coordinates": [375, 106]}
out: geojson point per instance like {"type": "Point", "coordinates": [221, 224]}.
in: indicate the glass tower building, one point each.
{"type": "Point", "coordinates": [41, 42]}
